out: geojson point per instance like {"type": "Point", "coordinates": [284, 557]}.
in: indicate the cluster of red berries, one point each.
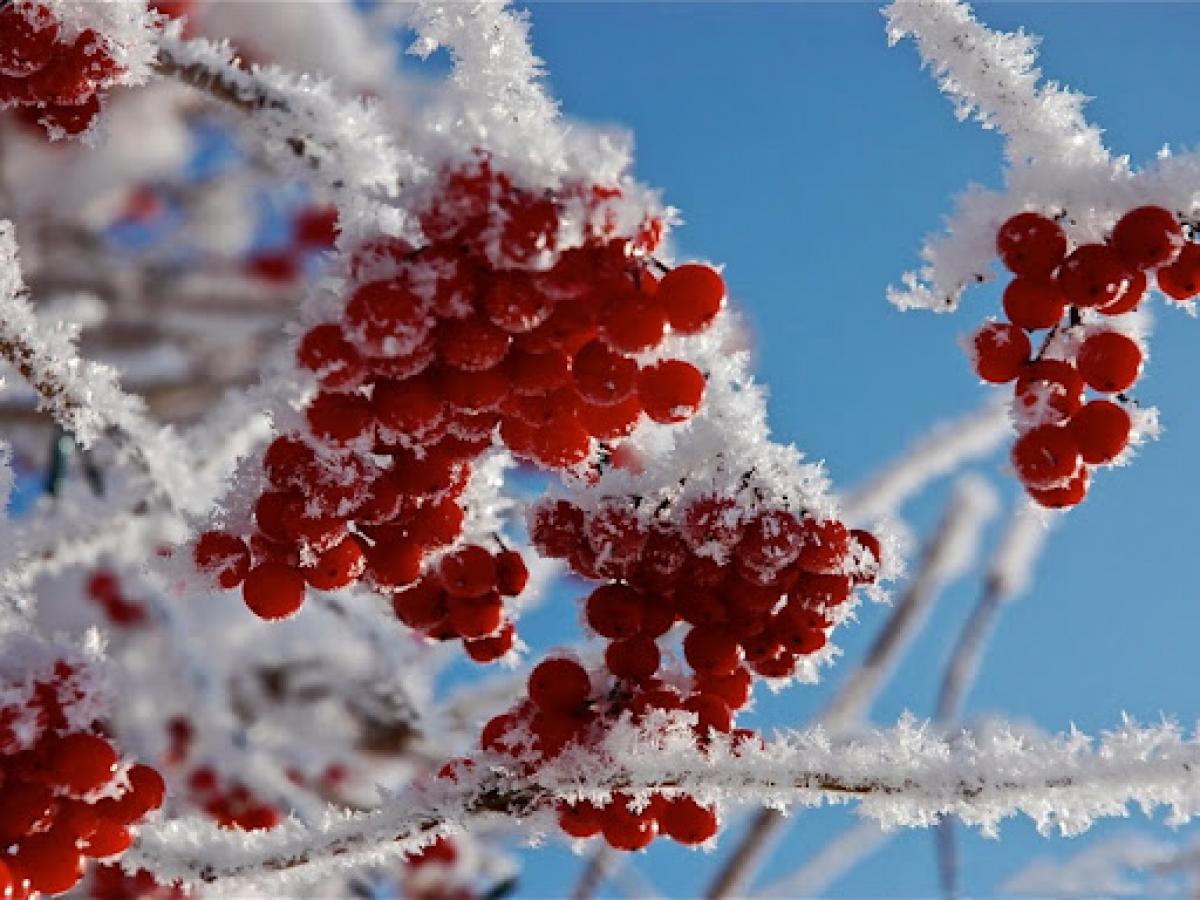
{"type": "Point", "coordinates": [64, 795]}
{"type": "Point", "coordinates": [753, 586]}
{"type": "Point", "coordinates": [51, 80]}
{"type": "Point", "coordinates": [462, 597]}
{"type": "Point", "coordinates": [314, 229]}
{"type": "Point", "coordinates": [755, 589]}
{"type": "Point", "coordinates": [1062, 436]}
{"type": "Point", "coordinates": [104, 589]}
{"type": "Point", "coordinates": [232, 805]}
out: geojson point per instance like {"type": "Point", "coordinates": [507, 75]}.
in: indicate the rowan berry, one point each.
{"type": "Point", "coordinates": [1048, 391]}
{"type": "Point", "coordinates": [686, 821]}
{"type": "Point", "coordinates": [602, 376]}
{"type": "Point", "coordinates": [711, 650]}
{"type": "Point", "coordinates": [634, 659]}
{"type": "Point", "coordinates": [490, 649]}
{"type": "Point", "coordinates": [325, 351]}
{"type": "Point", "coordinates": [1180, 280]}
{"type": "Point", "coordinates": [824, 547]}
{"type": "Point", "coordinates": [1034, 303]}
{"type": "Point", "coordinates": [559, 684]}
{"type": "Point", "coordinates": [1148, 236]}
{"type": "Point", "coordinates": [1094, 275]}
{"type": "Point", "coordinates": [691, 295]}
{"type": "Point", "coordinates": [337, 567]}
{"type": "Point", "coordinates": [223, 556]}
{"type": "Point", "coordinates": [616, 611]}
{"type": "Point", "coordinates": [671, 391]}
{"type": "Point", "coordinates": [999, 351]}
{"type": "Point", "coordinates": [625, 829]}
{"type": "Point", "coordinates": [1109, 361]}
{"type": "Point", "coordinates": [1031, 245]}
{"type": "Point", "coordinates": [273, 591]}
{"type": "Point", "coordinates": [1045, 455]}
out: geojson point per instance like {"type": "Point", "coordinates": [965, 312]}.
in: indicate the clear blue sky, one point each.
{"type": "Point", "coordinates": [811, 159]}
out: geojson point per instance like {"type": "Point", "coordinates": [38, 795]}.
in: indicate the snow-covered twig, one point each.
{"type": "Point", "coordinates": [909, 775]}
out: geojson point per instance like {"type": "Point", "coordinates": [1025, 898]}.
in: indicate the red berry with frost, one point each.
{"type": "Point", "coordinates": [50, 861]}
{"type": "Point", "coordinates": [712, 523]}
{"type": "Point", "coordinates": [422, 605]}
{"type": "Point", "coordinates": [387, 318]}
{"type": "Point", "coordinates": [1148, 236]}
{"type": "Point", "coordinates": [824, 546]}
{"type": "Point", "coordinates": [1048, 391]}
{"type": "Point", "coordinates": [1030, 244]}
{"type": "Point", "coordinates": [671, 391]}
{"type": "Point", "coordinates": [222, 556]}
{"type": "Point", "coordinates": [1101, 429]}
{"type": "Point", "coordinates": [325, 351]}
{"type": "Point", "coordinates": [341, 418]}
{"type": "Point", "coordinates": [490, 649]}
{"type": "Point", "coordinates": [1094, 275]}
{"type": "Point", "coordinates": [616, 611]}
{"type": "Point", "coordinates": [712, 650]}
{"type": "Point", "coordinates": [337, 567]}
{"type": "Point", "coordinates": [712, 714]}
{"type": "Point", "coordinates": [999, 351]}
{"type": "Point", "coordinates": [1034, 303]}
{"type": "Point", "coordinates": [394, 564]}
{"type": "Point", "coordinates": [1109, 361]}
{"type": "Point", "coordinates": [472, 344]}
{"type": "Point", "coordinates": [625, 829]}
{"type": "Point", "coordinates": [1180, 281]}
{"type": "Point", "coordinates": [469, 572]}
{"type": "Point", "coordinates": [81, 763]}
{"type": "Point", "coordinates": [635, 659]}
{"type": "Point", "coordinates": [514, 303]}
{"type": "Point", "coordinates": [511, 573]}
{"type": "Point", "coordinates": [582, 819]}
{"type": "Point", "coordinates": [691, 295]}
{"type": "Point", "coordinates": [28, 34]}
{"type": "Point", "coordinates": [559, 684]}
{"type": "Point", "coordinates": [477, 616]}
{"type": "Point", "coordinates": [273, 591]}
{"type": "Point", "coordinates": [1072, 493]}
{"type": "Point", "coordinates": [1045, 456]}
{"type": "Point", "coordinates": [1129, 300]}
{"type": "Point", "coordinates": [632, 322]}
{"type": "Point", "coordinates": [602, 376]}
{"type": "Point", "coordinates": [686, 821]}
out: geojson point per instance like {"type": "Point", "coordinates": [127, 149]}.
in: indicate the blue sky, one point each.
{"type": "Point", "coordinates": [811, 159]}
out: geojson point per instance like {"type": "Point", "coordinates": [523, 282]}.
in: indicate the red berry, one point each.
{"type": "Point", "coordinates": [513, 302]}
{"type": "Point", "coordinates": [340, 418]}
{"type": "Point", "coordinates": [472, 344]}
{"type": "Point", "coordinates": [634, 659]}
{"type": "Point", "coordinates": [560, 445]}
{"type": "Point", "coordinates": [490, 649]}
{"type": "Point", "coordinates": [82, 763]}
{"type": "Point", "coordinates": [691, 295]}
{"type": "Point", "coordinates": [1034, 303]}
{"type": "Point", "coordinates": [1180, 280]}
{"type": "Point", "coordinates": [1109, 361]}
{"type": "Point", "coordinates": [712, 714]}
{"type": "Point", "coordinates": [1148, 236]}
{"type": "Point", "coordinates": [615, 611]}
{"type": "Point", "coordinates": [290, 462]}
{"type": "Point", "coordinates": [478, 616]}
{"type": "Point", "coordinates": [712, 525]}
{"type": "Point", "coordinates": [421, 606]}
{"type": "Point", "coordinates": [26, 805]}
{"type": "Point", "coordinates": [325, 351]}
{"type": "Point", "coordinates": [1094, 275]}
{"type": "Point", "coordinates": [602, 376]}
{"type": "Point", "coordinates": [338, 566]}
{"type": "Point", "coordinates": [1048, 391]}
{"type": "Point", "coordinates": [28, 34]}
{"type": "Point", "coordinates": [999, 351]}
{"type": "Point", "coordinates": [734, 688]}
{"type": "Point", "coordinates": [633, 322]}
{"type": "Point", "coordinates": [411, 407]}
{"type": "Point", "coordinates": [146, 793]}
{"type": "Point", "coordinates": [387, 318]}
{"type": "Point", "coordinates": [1101, 429]}
{"type": "Point", "coordinates": [1135, 289]}
{"type": "Point", "coordinates": [625, 829]}
{"type": "Point", "coordinates": [469, 572]}
{"type": "Point", "coordinates": [770, 543]}
{"type": "Point", "coordinates": [437, 524]}
{"type": "Point", "coordinates": [559, 684]}
{"type": "Point", "coordinates": [50, 861]}
{"type": "Point", "coordinates": [671, 391]}
{"type": "Point", "coordinates": [273, 591]}
{"type": "Point", "coordinates": [608, 423]}
{"type": "Point", "coordinates": [532, 374]}
{"type": "Point", "coordinates": [1069, 494]}
{"type": "Point", "coordinates": [581, 819]}
{"type": "Point", "coordinates": [1032, 245]}
{"type": "Point", "coordinates": [686, 821]}
{"type": "Point", "coordinates": [511, 573]}
{"type": "Point", "coordinates": [1045, 456]}
{"type": "Point", "coordinates": [825, 546]}
{"type": "Point", "coordinates": [474, 392]}
{"type": "Point", "coordinates": [394, 564]}
{"type": "Point", "coordinates": [712, 650]}
{"type": "Point", "coordinates": [870, 544]}
{"type": "Point", "coordinates": [223, 556]}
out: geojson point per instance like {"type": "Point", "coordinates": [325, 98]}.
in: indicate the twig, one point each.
{"type": "Point", "coordinates": [594, 873]}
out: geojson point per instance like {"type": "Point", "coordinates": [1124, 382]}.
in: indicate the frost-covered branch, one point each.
{"type": "Point", "coordinates": [906, 776]}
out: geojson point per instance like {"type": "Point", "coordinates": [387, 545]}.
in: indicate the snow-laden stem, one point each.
{"type": "Point", "coordinates": [947, 554]}
{"type": "Point", "coordinates": [909, 775]}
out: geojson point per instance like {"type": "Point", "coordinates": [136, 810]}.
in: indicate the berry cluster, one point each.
{"type": "Point", "coordinates": [104, 589]}
{"type": "Point", "coordinates": [438, 351]}
{"type": "Point", "coordinates": [232, 805]}
{"type": "Point", "coordinates": [462, 598]}
{"type": "Point", "coordinates": [1075, 293]}
{"type": "Point", "coordinates": [65, 797]}
{"type": "Point", "coordinates": [52, 80]}
{"type": "Point", "coordinates": [755, 589]}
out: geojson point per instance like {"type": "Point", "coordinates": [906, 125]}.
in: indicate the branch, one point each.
{"type": "Point", "coordinates": [908, 775]}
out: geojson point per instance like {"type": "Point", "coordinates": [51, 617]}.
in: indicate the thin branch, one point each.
{"type": "Point", "coordinates": [594, 872]}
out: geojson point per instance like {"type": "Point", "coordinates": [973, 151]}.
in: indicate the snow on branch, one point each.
{"type": "Point", "coordinates": [84, 397]}
{"type": "Point", "coordinates": [909, 775]}
{"type": "Point", "coordinates": [311, 132]}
